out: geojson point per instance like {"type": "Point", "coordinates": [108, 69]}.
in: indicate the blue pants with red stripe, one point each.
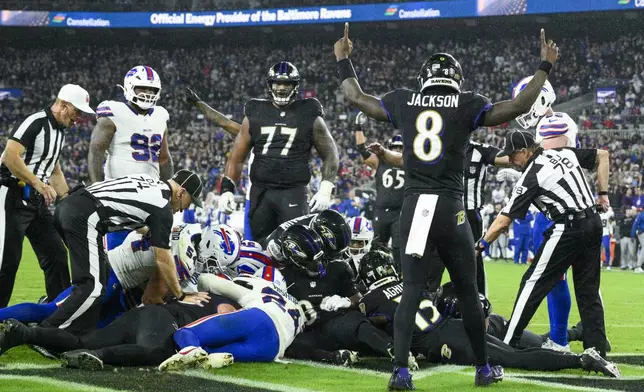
{"type": "Point", "coordinates": [249, 335]}
{"type": "Point", "coordinates": [606, 245]}
{"type": "Point", "coordinates": [559, 302]}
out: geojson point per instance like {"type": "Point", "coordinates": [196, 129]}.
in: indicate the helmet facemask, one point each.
{"type": "Point", "coordinates": [142, 87]}
{"type": "Point", "coordinates": [283, 93]}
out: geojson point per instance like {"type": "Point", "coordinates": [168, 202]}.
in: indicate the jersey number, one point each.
{"type": "Point", "coordinates": [310, 313]}
{"type": "Point", "coordinates": [270, 295]}
{"type": "Point", "coordinates": [421, 321]}
{"type": "Point", "coordinates": [270, 131]}
{"type": "Point", "coordinates": [146, 148]}
{"type": "Point", "coordinates": [140, 245]}
{"type": "Point", "coordinates": [388, 179]}
{"type": "Point", "coordinates": [428, 146]}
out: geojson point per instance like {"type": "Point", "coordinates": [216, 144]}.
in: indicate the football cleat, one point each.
{"type": "Point", "coordinates": [401, 382]}
{"type": "Point", "coordinates": [44, 352]}
{"type": "Point", "coordinates": [217, 361]}
{"type": "Point", "coordinates": [593, 362]}
{"type": "Point", "coordinates": [550, 345]}
{"type": "Point", "coordinates": [488, 375]}
{"type": "Point", "coordinates": [411, 360]}
{"type": "Point", "coordinates": [187, 357]}
{"type": "Point", "coordinates": [81, 359]}
{"type": "Point", "coordinates": [12, 334]}
{"type": "Point", "coordinates": [345, 358]}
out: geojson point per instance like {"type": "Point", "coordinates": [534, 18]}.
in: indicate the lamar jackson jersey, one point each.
{"type": "Point", "coordinates": [137, 141]}
{"type": "Point", "coordinates": [390, 186]}
{"type": "Point", "coordinates": [310, 291]}
{"type": "Point", "coordinates": [281, 140]}
{"type": "Point", "coordinates": [436, 129]}
{"type": "Point", "coordinates": [383, 301]}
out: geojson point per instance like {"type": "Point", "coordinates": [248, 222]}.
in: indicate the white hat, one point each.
{"type": "Point", "coordinates": [77, 96]}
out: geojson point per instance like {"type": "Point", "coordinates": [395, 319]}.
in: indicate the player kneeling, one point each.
{"type": "Point", "coordinates": [260, 332]}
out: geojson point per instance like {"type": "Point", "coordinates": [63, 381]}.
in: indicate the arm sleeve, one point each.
{"type": "Point", "coordinates": [522, 195]}
{"type": "Point", "coordinates": [388, 102]}
{"type": "Point", "coordinates": [479, 105]}
{"type": "Point", "coordinates": [218, 286]}
{"type": "Point", "coordinates": [160, 224]}
{"type": "Point", "coordinates": [587, 157]}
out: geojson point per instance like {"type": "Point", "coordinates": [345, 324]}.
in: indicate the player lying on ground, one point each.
{"type": "Point", "coordinates": [442, 338]}
{"type": "Point", "coordinates": [267, 324]}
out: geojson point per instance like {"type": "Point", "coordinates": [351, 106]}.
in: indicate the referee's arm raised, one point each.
{"type": "Point", "coordinates": [12, 159]}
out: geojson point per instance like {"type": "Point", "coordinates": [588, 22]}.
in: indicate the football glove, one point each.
{"type": "Point", "coordinates": [508, 175]}
{"type": "Point", "coordinates": [359, 121]}
{"type": "Point", "coordinates": [192, 97]}
{"type": "Point", "coordinates": [227, 203]}
{"type": "Point", "coordinates": [335, 303]}
{"type": "Point", "coordinates": [322, 200]}
{"type": "Point", "coordinates": [275, 250]}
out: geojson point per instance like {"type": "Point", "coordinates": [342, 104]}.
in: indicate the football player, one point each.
{"type": "Point", "coordinates": [361, 237]}
{"type": "Point", "coordinates": [608, 221]}
{"type": "Point", "coordinates": [141, 144]}
{"type": "Point", "coordinates": [281, 132]}
{"type": "Point", "coordinates": [390, 181]}
{"type": "Point", "coordinates": [435, 121]}
{"type": "Point", "coordinates": [442, 338]}
{"type": "Point", "coordinates": [267, 324]}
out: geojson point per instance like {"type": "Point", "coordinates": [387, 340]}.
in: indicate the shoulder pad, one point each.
{"type": "Point", "coordinates": [104, 109]}
{"type": "Point", "coordinates": [252, 106]}
{"type": "Point", "coordinates": [162, 111]}
{"type": "Point", "coordinates": [313, 106]}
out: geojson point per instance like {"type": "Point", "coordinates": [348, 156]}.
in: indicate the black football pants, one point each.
{"type": "Point", "coordinates": [439, 224]}
{"type": "Point", "coordinates": [271, 207]}
{"type": "Point", "coordinates": [386, 226]}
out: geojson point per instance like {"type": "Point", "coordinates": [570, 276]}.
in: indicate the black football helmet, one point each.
{"type": "Point", "coordinates": [334, 231]}
{"type": "Point", "coordinates": [395, 143]}
{"type": "Point", "coordinates": [448, 304]}
{"type": "Point", "coordinates": [283, 82]}
{"type": "Point", "coordinates": [376, 265]}
{"type": "Point", "coordinates": [303, 248]}
{"type": "Point", "coordinates": [441, 69]}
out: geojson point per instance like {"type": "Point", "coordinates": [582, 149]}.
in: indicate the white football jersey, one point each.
{"type": "Point", "coordinates": [607, 221]}
{"type": "Point", "coordinates": [133, 263]}
{"type": "Point", "coordinates": [557, 124]}
{"type": "Point", "coordinates": [253, 292]}
{"type": "Point", "coordinates": [136, 144]}
{"type": "Point", "coordinates": [252, 257]}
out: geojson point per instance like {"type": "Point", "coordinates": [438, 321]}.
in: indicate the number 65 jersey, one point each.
{"type": "Point", "coordinates": [136, 144]}
{"type": "Point", "coordinates": [436, 129]}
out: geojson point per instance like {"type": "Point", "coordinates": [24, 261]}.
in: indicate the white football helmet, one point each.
{"type": "Point", "coordinates": [184, 243]}
{"type": "Point", "coordinates": [271, 274]}
{"type": "Point", "coordinates": [251, 259]}
{"type": "Point", "coordinates": [539, 108]}
{"type": "Point", "coordinates": [361, 238]}
{"type": "Point", "coordinates": [141, 76]}
{"type": "Point", "coordinates": [219, 248]}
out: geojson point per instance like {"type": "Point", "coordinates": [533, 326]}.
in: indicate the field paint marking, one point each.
{"type": "Point", "coordinates": [639, 354]}
{"type": "Point", "coordinates": [243, 381]}
{"type": "Point", "coordinates": [418, 375]}
{"type": "Point", "coordinates": [57, 383]}
{"type": "Point", "coordinates": [610, 326]}
{"type": "Point", "coordinates": [557, 385]}
{"type": "Point", "coordinates": [27, 366]}
{"type": "Point", "coordinates": [365, 372]}
{"type": "Point", "coordinates": [572, 376]}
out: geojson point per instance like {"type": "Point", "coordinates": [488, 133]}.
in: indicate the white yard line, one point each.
{"type": "Point", "coordinates": [557, 385]}
{"type": "Point", "coordinates": [27, 366]}
{"type": "Point", "coordinates": [609, 326]}
{"type": "Point", "coordinates": [365, 372]}
{"type": "Point", "coordinates": [57, 383]}
{"type": "Point", "coordinates": [243, 381]}
{"type": "Point", "coordinates": [419, 375]}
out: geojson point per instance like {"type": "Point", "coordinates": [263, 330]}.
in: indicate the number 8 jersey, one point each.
{"type": "Point", "coordinates": [436, 129]}
{"type": "Point", "coordinates": [136, 144]}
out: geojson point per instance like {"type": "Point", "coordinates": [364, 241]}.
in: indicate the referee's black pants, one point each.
{"type": "Point", "coordinates": [575, 243]}
{"type": "Point", "coordinates": [430, 223]}
{"type": "Point", "coordinates": [386, 226]}
{"type": "Point", "coordinates": [438, 268]}
{"type": "Point", "coordinates": [31, 218]}
{"type": "Point", "coordinates": [80, 226]}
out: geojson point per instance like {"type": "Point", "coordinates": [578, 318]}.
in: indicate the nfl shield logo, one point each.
{"type": "Point", "coordinates": [472, 169]}
{"type": "Point", "coordinates": [313, 284]}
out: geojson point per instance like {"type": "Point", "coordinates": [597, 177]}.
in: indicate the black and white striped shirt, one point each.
{"type": "Point", "coordinates": [554, 182]}
{"type": "Point", "coordinates": [43, 138]}
{"type": "Point", "coordinates": [477, 158]}
{"type": "Point", "coordinates": [135, 201]}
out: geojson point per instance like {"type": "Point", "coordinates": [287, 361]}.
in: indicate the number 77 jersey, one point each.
{"type": "Point", "coordinates": [137, 141]}
{"type": "Point", "coordinates": [436, 129]}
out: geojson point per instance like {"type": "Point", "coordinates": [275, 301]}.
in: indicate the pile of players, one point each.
{"type": "Point", "coordinates": [323, 291]}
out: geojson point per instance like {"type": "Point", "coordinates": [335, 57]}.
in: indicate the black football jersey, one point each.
{"type": "Point", "coordinates": [309, 291]}
{"type": "Point", "coordinates": [186, 313]}
{"type": "Point", "coordinates": [390, 186]}
{"type": "Point", "coordinates": [281, 140]}
{"type": "Point", "coordinates": [436, 129]}
{"type": "Point", "coordinates": [383, 301]}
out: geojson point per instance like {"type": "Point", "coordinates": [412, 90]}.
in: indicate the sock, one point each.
{"type": "Point", "coordinates": [559, 305]}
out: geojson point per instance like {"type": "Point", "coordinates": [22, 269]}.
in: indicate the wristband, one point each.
{"type": "Point", "coordinates": [346, 70]}
{"type": "Point", "coordinates": [545, 66]}
{"type": "Point", "coordinates": [603, 193]}
{"type": "Point", "coordinates": [227, 185]}
{"type": "Point", "coordinates": [183, 296]}
{"type": "Point", "coordinates": [481, 245]}
{"type": "Point", "coordinates": [363, 151]}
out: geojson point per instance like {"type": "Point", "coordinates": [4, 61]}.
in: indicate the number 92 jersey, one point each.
{"type": "Point", "coordinates": [281, 140]}
{"type": "Point", "coordinates": [137, 141]}
{"type": "Point", "coordinates": [436, 129]}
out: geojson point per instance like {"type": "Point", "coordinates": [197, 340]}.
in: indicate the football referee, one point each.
{"type": "Point", "coordinates": [554, 182]}
{"type": "Point", "coordinates": [30, 180]}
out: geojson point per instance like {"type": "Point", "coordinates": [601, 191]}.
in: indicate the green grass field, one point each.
{"type": "Point", "coordinates": [23, 370]}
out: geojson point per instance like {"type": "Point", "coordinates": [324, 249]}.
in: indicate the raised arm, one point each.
{"type": "Point", "coordinates": [504, 111]}
{"type": "Point", "coordinates": [391, 157]}
{"type": "Point", "coordinates": [99, 143]}
{"type": "Point", "coordinates": [358, 122]}
{"type": "Point", "coordinates": [220, 119]}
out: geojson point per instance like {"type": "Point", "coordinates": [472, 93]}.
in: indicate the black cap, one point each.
{"type": "Point", "coordinates": [191, 183]}
{"type": "Point", "coordinates": [516, 140]}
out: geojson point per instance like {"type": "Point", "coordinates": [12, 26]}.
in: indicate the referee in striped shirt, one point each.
{"type": "Point", "coordinates": [126, 203]}
{"type": "Point", "coordinates": [30, 180]}
{"type": "Point", "coordinates": [554, 182]}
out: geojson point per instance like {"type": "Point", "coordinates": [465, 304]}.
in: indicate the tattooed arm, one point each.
{"type": "Point", "coordinates": [325, 146]}
{"type": "Point", "coordinates": [166, 166]}
{"type": "Point", "coordinates": [230, 126]}
{"type": "Point", "coordinates": [101, 138]}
